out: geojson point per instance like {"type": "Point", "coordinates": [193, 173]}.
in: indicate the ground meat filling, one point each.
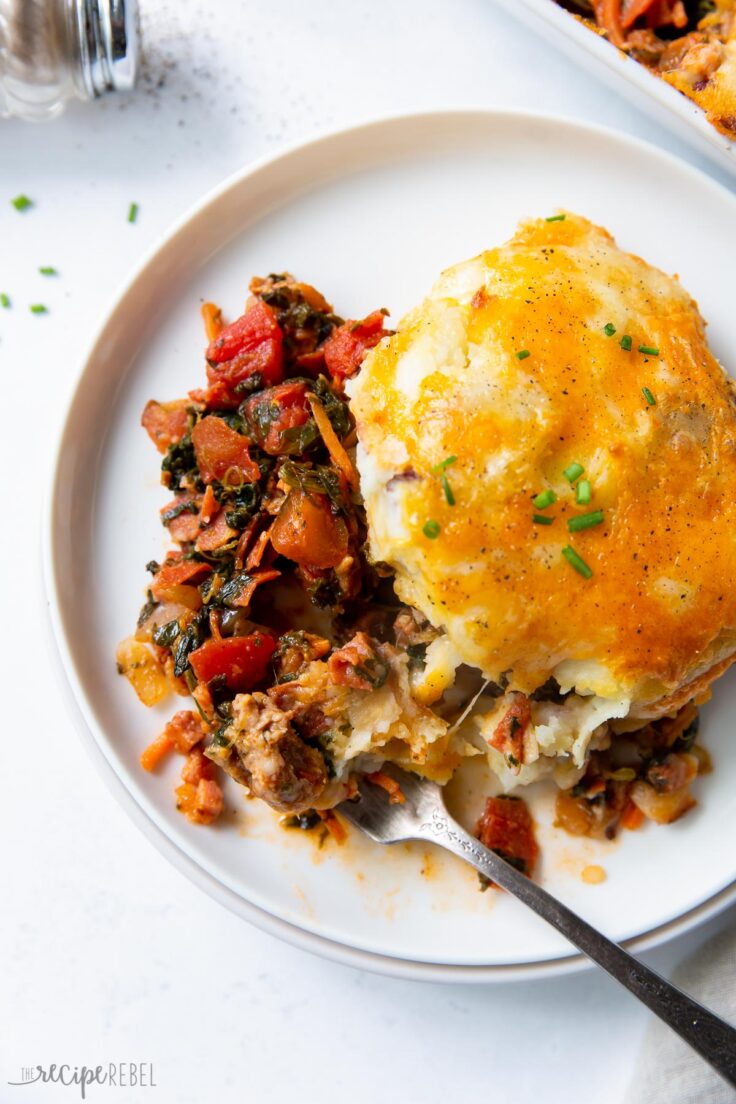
{"type": "Point", "coordinates": [264, 752]}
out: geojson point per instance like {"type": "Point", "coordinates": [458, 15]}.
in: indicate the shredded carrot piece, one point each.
{"type": "Point", "coordinates": [155, 752]}
{"type": "Point", "coordinates": [632, 816]}
{"type": "Point", "coordinates": [608, 16]}
{"type": "Point", "coordinates": [244, 542]}
{"type": "Point", "coordinates": [214, 625]}
{"type": "Point", "coordinates": [212, 317]}
{"type": "Point", "coordinates": [634, 10]}
{"type": "Point", "coordinates": [333, 825]}
{"type": "Point", "coordinates": [390, 785]}
{"type": "Point", "coordinates": [203, 698]}
{"type": "Point", "coordinates": [334, 446]}
{"type": "Point", "coordinates": [256, 553]}
{"type": "Point", "coordinates": [209, 506]}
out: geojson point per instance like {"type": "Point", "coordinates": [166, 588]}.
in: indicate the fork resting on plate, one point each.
{"type": "Point", "coordinates": [423, 816]}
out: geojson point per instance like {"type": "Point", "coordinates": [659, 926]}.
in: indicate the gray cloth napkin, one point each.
{"type": "Point", "coordinates": [667, 1071]}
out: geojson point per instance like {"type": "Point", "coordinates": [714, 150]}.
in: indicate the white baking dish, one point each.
{"type": "Point", "coordinates": [629, 77]}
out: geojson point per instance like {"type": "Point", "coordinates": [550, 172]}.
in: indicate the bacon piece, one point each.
{"type": "Point", "coordinates": [216, 535]}
{"type": "Point", "coordinates": [245, 596]}
{"type": "Point", "coordinates": [508, 735]}
{"type": "Point", "coordinates": [347, 345]}
{"type": "Point", "coordinates": [358, 665]}
{"type": "Point", "coordinates": [165, 423]}
{"type": "Point", "coordinates": [176, 573]}
{"type": "Point", "coordinates": [201, 803]}
{"type": "Point", "coordinates": [506, 827]}
{"type": "Point", "coordinates": [184, 730]}
{"type": "Point", "coordinates": [197, 766]}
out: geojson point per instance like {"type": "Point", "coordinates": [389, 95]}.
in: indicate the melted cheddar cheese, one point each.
{"type": "Point", "coordinates": [454, 381]}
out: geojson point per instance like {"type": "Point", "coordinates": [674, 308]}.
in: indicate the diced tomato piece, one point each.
{"type": "Point", "coordinates": [347, 345]}
{"type": "Point", "coordinates": [271, 413]}
{"type": "Point", "coordinates": [253, 343]}
{"type": "Point", "coordinates": [307, 532]}
{"type": "Point", "coordinates": [243, 660]}
{"type": "Point", "coordinates": [165, 423]}
{"type": "Point", "coordinates": [508, 735]}
{"type": "Point", "coordinates": [176, 574]}
{"type": "Point", "coordinates": [506, 827]}
{"type": "Point", "coordinates": [222, 453]}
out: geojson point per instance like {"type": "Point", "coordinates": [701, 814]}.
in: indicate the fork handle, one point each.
{"type": "Point", "coordinates": [705, 1032]}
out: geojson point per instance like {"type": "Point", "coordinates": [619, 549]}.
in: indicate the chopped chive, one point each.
{"type": "Point", "coordinates": [22, 202]}
{"type": "Point", "coordinates": [649, 396]}
{"type": "Point", "coordinates": [556, 218]}
{"type": "Point", "coordinates": [47, 270]}
{"type": "Point", "coordinates": [523, 354]}
{"type": "Point", "coordinates": [431, 529]}
{"type": "Point", "coordinates": [133, 212]}
{"type": "Point", "coordinates": [585, 521]}
{"type": "Point", "coordinates": [583, 492]}
{"type": "Point", "coordinates": [542, 519]}
{"type": "Point", "coordinates": [4, 299]}
{"type": "Point", "coordinates": [38, 308]}
{"type": "Point", "coordinates": [626, 343]}
{"type": "Point", "coordinates": [448, 490]}
{"type": "Point", "coordinates": [649, 350]}
{"type": "Point", "coordinates": [443, 464]}
{"type": "Point", "coordinates": [544, 499]}
{"type": "Point", "coordinates": [573, 472]}
{"type": "Point", "coordinates": [577, 562]}
{"type": "Point", "coordinates": [609, 329]}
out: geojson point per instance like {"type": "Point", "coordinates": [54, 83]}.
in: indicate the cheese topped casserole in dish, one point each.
{"type": "Point", "coordinates": [691, 44]}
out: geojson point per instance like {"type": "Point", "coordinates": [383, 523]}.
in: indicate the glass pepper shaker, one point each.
{"type": "Point", "coordinates": [54, 51]}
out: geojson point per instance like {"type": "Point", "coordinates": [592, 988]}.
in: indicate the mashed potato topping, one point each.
{"type": "Point", "coordinates": [553, 360]}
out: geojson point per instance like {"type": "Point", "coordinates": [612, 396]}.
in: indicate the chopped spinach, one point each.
{"type": "Point", "coordinates": [305, 821]}
{"type": "Point", "coordinates": [319, 479]}
{"type": "Point", "coordinates": [166, 634]}
{"type": "Point", "coordinates": [336, 410]}
{"type": "Point", "coordinates": [147, 609]}
{"type": "Point", "coordinates": [179, 462]}
{"type": "Point", "coordinates": [243, 505]}
{"type": "Point", "coordinates": [178, 510]}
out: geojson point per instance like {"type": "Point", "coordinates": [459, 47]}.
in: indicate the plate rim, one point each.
{"type": "Point", "coordinates": [73, 693]}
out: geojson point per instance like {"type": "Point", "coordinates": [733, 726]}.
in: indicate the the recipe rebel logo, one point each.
{"type": "Point", "coordinates": [113, 1075]}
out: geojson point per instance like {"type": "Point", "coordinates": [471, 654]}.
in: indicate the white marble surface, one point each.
{"type": "Point", "coordinates": [106, 953]}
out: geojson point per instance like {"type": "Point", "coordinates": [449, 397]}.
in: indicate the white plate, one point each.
{"type": "Point", "coordinates": [369, 216]}
{"type": "Point", "coordinates": [628, 77]}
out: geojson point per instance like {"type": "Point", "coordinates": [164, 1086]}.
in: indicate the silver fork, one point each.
{"type": "Point", "coordinates": [423, 816]}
